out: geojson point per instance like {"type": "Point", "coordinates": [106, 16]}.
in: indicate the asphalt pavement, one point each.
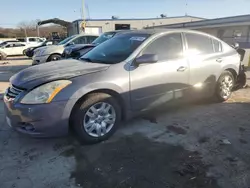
{"type": "Point", "coordinates": [197, 145]}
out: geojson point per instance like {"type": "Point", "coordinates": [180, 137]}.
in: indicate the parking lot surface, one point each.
{"type": "Point", "coordinates": [196, 145]}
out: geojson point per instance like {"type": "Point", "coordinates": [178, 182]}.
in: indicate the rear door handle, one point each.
{"type": "Point", "coordinates": [181, 69]}
{"type": "Point", "coordinates": [219, 60]}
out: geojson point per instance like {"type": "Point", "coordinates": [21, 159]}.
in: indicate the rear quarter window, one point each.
{"type": "Point", "coordinates": [217, 46]}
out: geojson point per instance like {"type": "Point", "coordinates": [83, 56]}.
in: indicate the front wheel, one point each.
{"type": "Point", "coordinates": [54, 57]}
{"type": "Point", "coordinates": [97, 118]}
{"type": "Point", "coordinates": [224, 86]}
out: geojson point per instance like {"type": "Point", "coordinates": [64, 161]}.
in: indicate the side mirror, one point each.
{"type": "Point", "coordinates": [146, 58]}
{"type": "Point", "coordinates": [236, 45]}
{"type": "Point", "coordinates": [70, 44]}
{"type": "Point", "coordinates": [49, 43]}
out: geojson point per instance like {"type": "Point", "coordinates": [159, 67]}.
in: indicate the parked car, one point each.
{"type": "Point", "coordinates": [54, 52]}
{"type": "Point", "coordinates": [8, 41]}
{"type": "Point", "coordinates": [76, 51]}
{"type": "Point", "coordinates": [126, 75]}
{"type": "Point", "coordinates": [11, 49]}
{"type": "Point", "coordinates": [31, 41]}
{"type": "Point", "coordinates": [30, 51]}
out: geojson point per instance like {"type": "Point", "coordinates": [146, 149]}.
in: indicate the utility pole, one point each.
{"type": "Point", "coordinates": [83, 10]}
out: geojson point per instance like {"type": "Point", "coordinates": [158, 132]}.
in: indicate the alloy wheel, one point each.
{"type": "Point", "coordinates": [99, 119]}
{"type": "Point", "coordinates": [226, 87]}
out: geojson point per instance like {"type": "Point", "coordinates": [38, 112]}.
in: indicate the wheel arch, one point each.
{"type": "Point", "coordinates": [52, 55]}
{"type": "Point", "coordinates": [111, 92]}
{"type": "Point", "coordinates": [234, 73]}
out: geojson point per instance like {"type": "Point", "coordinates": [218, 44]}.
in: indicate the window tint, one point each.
{"type": "Point", "coordinates": [9, 46]}
{"type": "Point", "coordinates": [18, 45]}
{"type": "Point", "coordinates": [32, 39]}
{"type": "Point", "coordinates": [166, 47]}
{"type": "Point", "coordinates": [90, 39]}
{"type": "Point", "coordinates": [80, 40]}
{"type": "Point", "coordinates": [217, 46]}
{"type": "Point", "coordinates": [200, 43]}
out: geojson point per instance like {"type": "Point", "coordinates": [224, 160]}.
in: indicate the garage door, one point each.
{"type": "Point", "coordinates": [93, 30]}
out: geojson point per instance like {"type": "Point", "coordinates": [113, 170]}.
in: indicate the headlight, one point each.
{"type": "Point", "coordinates": [45, 93]}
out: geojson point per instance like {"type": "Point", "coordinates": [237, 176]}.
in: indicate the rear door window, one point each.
{"type": "Point", "coordinates": [80, 40]}
{"type": "Point", "coordinates": [32, 39]}
{"type": "Point", "coordinates": [166, 47]}
{"type": "Point", "coordinates": [199, 43]}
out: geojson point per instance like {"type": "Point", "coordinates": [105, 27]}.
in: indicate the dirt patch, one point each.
{"type": "Point", "coordinates": [136, 161]}
{"type": "Point", "coordinates": [176, 130]}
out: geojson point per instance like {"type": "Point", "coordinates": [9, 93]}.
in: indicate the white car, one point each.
{"type": "Point", "coordinates": [14, 48]}
{"type": "Point", "coordinates": [32, 41]}
{"type": "Point", "coordinates": [54, 52]}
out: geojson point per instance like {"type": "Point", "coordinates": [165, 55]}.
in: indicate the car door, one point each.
{"type": "Point", "coordinates": [153, 84]}
{"type": "Point", "coordinates": [204, 56]}
{"type": "Point", "coordinates": [8, 49]}
{"type": "Point", "coordinates": [18, 49]}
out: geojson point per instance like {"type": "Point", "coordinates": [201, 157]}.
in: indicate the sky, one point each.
{"type": "Point", "coordinates": [13, 12]}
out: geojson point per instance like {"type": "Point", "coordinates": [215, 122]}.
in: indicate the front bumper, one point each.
{"type": "Point", "coordinates": [39, 59]}
{"type": "Point", "coordinates": [43, 120]}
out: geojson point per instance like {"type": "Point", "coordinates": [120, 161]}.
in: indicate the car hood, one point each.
{"type": "Point", "coordinates": [50, 49]}
{"type": "Point", "coordinates": [64, 69]}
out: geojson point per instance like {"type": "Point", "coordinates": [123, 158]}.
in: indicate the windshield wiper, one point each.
{"type": "Point", "coordinates": [86, 59]}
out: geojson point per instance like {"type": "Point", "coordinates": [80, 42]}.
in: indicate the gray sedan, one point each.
{"type": "Point", "coordinates": [128, 74]}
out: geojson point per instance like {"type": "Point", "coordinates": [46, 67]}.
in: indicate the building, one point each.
{"type": "Point", "coordinates": [229, 29]}
{"type": "Point", "coordinates": [98, 26]}
{"type": "Point", "coordinates": [232, 30]}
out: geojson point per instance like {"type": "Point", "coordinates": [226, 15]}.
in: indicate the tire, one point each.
{"type": "Point", "coordinates": [24, 52]}
{"type": "Point", "coordinates": [54, 57]}
{"type": "Point", "coordinates": [224, 84]}
{"type": "Point", "coordinates": [81, 119]}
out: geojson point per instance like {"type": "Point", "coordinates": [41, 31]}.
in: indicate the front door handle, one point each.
{"type": "Point", "coordinates": [181, 69]}
{"type": "Point", "coordinates": [219, 60]}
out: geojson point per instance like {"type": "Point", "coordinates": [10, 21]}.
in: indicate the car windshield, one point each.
{"type": "Point", "coordinates": [3, 43]}
{"type": "Point", "coordinates": [103, 37]}
{"type": "Point", "coordinates": [116, 49]}
{"type": "Point", "coordinates": [66, 40]}
{"type": "Point", "coordinates": [21, 40]}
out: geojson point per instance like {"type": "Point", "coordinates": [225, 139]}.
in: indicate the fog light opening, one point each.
{"type": "Point", "coordinates": [27, 126]}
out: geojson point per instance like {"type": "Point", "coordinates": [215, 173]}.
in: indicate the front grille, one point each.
{"type": "Point", "coordinates": [13, 92]}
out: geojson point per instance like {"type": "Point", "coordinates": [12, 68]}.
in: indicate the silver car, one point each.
{"type": "Point", "coordinates": [128, 74]}
{"type": "Point", "coordinates": [54, 52]}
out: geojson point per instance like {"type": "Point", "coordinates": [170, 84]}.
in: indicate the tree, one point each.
{"type": "Point", "coordinates": [163, 15]}
{"type": "Point", "coordinates": [115, 17]}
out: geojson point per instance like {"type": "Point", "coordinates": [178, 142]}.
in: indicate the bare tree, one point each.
{"type": "Point", "coordinates": [163, 15]}
{"type": "Point", "coordinates": [115, 17]}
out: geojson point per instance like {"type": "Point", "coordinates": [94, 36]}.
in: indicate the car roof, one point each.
{"type": "Point", "coordinates": [85, 34]}
{"type": "Point", "coordinates": [160, 30]}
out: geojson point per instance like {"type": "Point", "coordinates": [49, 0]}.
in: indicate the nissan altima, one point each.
{"type": "Point", "coordinates": [128, 74]}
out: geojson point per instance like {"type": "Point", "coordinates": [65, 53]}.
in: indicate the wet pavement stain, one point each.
{"type": "Point", "coordinates": [176, 130]}
{"type": "Point", "coordinates": [151, 119]}
{"type": "Point", "coordinates": [203, 140]}
{"type": "Point", "coordinates": [241, 129]}
{"type": "Point", "coordinates": [123, 163]}
{"type": "Point", "coordinates": [243, 141]}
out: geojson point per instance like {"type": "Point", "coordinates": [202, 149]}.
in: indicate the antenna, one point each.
{"type": "Point", "coordinates": [87, 7]}
{"type": "Point", "coordinates": [186, 7]}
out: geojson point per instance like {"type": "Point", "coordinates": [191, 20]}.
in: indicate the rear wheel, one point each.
{"type": "Point", "coordinates": [224, 86]}
{"type": "Point", "coordinates": [97, 118]}
{"type": "Point", "coordinates": [54, 57]}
